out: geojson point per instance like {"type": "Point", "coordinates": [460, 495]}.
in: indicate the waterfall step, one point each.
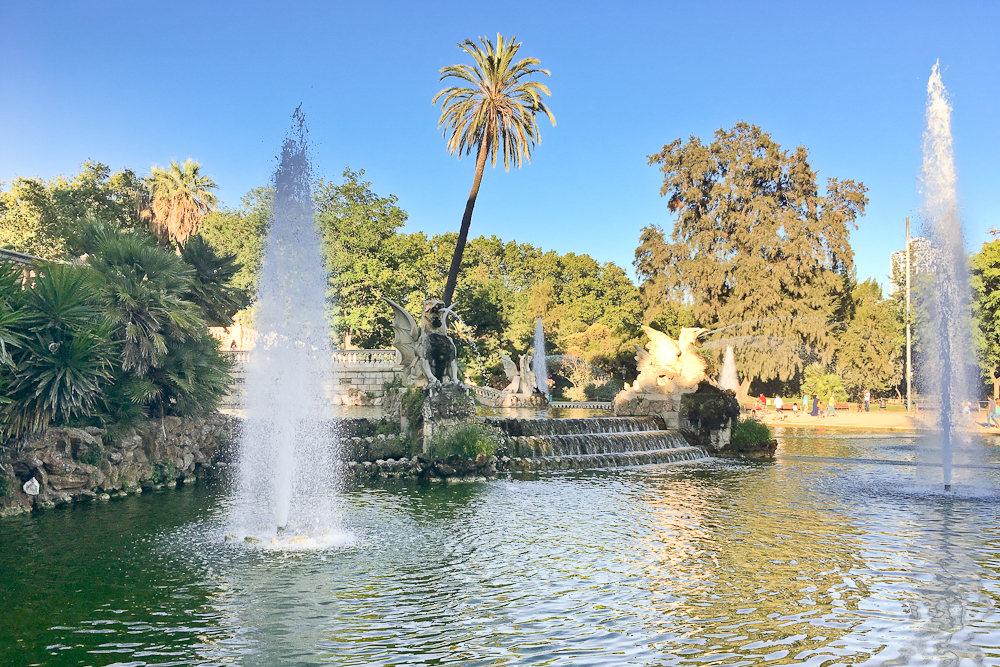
{"type": "Point", "coordinates": [586, 425]}
{"type": "Point", "coordinates": [585, 444]}
{"type": "Point", "coordinates": [608, 460]}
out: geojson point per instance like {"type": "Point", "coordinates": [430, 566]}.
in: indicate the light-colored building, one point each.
{"type": "Point", "coordinates": [922, 253]}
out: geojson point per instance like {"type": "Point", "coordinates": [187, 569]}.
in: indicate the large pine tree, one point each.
{"type": "Point", "coordinates": [755, 247]}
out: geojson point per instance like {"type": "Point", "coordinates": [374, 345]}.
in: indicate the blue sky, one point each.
{"type": "Point", "coordinates": [135, 84]}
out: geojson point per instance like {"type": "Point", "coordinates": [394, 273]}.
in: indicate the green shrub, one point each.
{"type": "Point", "coordinates": [750, 433]}
{"type": "Point", "coordinates": [7, 486]}
{"type": "Point", "coordinates": [94, 456]}
{"type": "Point", "coordinates": [386, 427]}
{"type": "Point", "coordinates": [467, 441]}
{"type": "Point", "coordinates": [413, 405]}
{"type": "Point", "coordinates": [710, 407]}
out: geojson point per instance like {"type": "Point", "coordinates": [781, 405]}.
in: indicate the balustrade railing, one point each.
{"type": "Point", "coordinates": [367, 358]}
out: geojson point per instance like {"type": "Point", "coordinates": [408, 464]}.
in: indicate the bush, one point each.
{"type": "Point", "coordinates": [750, 433]}
{"type": "Point", "coordinates": [413, 405]}
{"type": "Point", "coordinates": [467, 441]}
{"type": "Point", "coordinates": [710, 407]}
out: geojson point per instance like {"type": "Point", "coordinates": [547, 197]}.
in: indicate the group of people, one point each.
{"type": "Point", "coordinates": [819, 408]}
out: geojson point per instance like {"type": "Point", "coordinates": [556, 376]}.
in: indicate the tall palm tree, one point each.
{"type": "Point", "coordinates": [496, 114]}
{"type": "Point", "coordinates": [180, 198]}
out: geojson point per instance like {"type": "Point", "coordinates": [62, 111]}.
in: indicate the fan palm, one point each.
{"type": "Point", "coordinates": [181, 197]}
{"type": "Point", "coordinates": [496, 114]}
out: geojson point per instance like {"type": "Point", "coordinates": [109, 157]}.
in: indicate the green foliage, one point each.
{"type": "Point", "coordinates": [754, 244]}
{"type": "Point", "coordinates": [94, 456]}
{"type": "Point", "coordinates": [385, 427]}
{"type": "Point", "coordinates": [37, 217]}
{"type": "Point", "coordinates": [749, 433]}
{"type": "Point", "coordinates": [413, 405]}
{"type": "Point", "coordinates": [365, 256]}
{"type": "Point", "coordinates": [820, 383]}
{"type": "Point", "coordinates": [142, 290]}
{"type": "Point", "coordinates": [180, 196]}
{"type": "Point", "coordinates": [242, 232]}
{"type": "Point", "coordinates": [211, 282]}
{"type": "Point", "coordinates": [870, 351]}
{"type": "Point", "coordinates": [7, 486]}
{"type": "Point", "coordinates": [465, 440]}
{"type": "Point", "coordinates": [709, 407]}
{"type": "Point", "coordinates": [66, 357]}
{"type": "Point", "coordinates": [984, 275]}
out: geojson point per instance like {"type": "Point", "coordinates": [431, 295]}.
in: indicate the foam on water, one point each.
{"type": "Point", "coordinates": [287, 480]}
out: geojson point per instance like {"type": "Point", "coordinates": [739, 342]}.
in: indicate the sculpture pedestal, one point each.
{"type": "Point", "coordinates": [446, 406]}
{"type": "Point", "coordinates": [665, 406]}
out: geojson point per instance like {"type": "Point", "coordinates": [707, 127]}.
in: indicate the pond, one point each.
{"type": "Point", "coordinates": [828, 555]}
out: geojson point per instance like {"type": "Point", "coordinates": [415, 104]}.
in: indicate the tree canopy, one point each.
{"type": "Point", "coordinates": [754, 246]}
{"type": "Point", "coordinates": [869, 354]}
{"type": "Point", "coordinates": [180, 197]}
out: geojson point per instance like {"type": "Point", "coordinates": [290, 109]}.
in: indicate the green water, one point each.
{"type": "Point", "coordinates": [797, 562]}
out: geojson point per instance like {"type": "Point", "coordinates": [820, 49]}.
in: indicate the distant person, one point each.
{"type": "Point", "coordinates": [831, 411]}
{"type": "Point", "coordinates": [991, 409]}
{"type": "Point", "coordinates": [795, 410]}
{"type": "Point", "coordinates": [778, 404]}
{"type": "Point", "coordinates": [232, 347]}
{"type": "Point", "coordinates": [868, 399]}
{"type": "Point", "coordinates": [805, 402]}
{"type": "Point", "coordinates": [815, 410]}
{"type": "Point", "coordinates": [763, 403]}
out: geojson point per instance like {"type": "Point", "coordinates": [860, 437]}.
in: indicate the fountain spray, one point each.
{"type": "Point", "coordinates": [539, 365]}
{"type": "Point", "coordinates": [948, 332]}
{"type": "Point", "coordinates": [286, 465]}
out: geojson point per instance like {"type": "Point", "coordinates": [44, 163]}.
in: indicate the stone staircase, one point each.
{"type": "Point", "coordinates": [601, 442]}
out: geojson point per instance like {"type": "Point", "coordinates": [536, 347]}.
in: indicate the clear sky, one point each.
{"type": "Point", "coordinates": [136, 84]}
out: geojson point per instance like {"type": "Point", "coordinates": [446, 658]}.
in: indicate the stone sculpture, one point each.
{"type": "Point", "coordinates": [522, 379]}
{"type": "Point", "coordinates": [668, 369]}
{"type": "Point", "coordinates": [429, 354]}
{"type": "Point", "coordinates": [669, 365]}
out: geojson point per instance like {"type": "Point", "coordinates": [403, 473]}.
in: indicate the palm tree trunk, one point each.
{"type": "Point", "coordinates": [463, 234]}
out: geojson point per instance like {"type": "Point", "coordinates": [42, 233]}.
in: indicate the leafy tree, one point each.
{"type": "Point", "coordinates": [181, 196]}
{"type": "Point", "coordinates": [754, 244]}
{"type": "Point", "coordinates": [242, 232]}
{"type": "Point", "coordinates": [984, 275]}
{"type": "Point", "coordinates": [496, 114]}
{"type": "Point", "coordinates": [39, 217]}
{"type": "Point", "coordinates": [365, 255]}
{"type": "Point", "coordinates": [869, 354]}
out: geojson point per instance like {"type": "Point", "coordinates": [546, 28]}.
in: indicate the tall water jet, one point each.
{"type": "Point", "coordinates": [947, 349]}
{"type": "Point", "coordinates": [286, 452]}
{"type": "Point", "coordinates": [539, 366]}
{"type": "Point", "coordinates": [728, 378]}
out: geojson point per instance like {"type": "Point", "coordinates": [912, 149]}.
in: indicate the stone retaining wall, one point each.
{"type": "Point", "coordinates": [63, 465]}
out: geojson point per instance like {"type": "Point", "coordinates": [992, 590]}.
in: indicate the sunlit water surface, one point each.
{"type": "Point", "coordinates": [804, 561]}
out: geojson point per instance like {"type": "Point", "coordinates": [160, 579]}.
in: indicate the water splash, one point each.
{"type": "Point", "coordinates": [947, 349]}
{"type": "Point", "coordinates": [286, 464]}
{"type": "Point", "coordinates": [538, 362]}
{"type": "Point", "coordinates": [728, 378]}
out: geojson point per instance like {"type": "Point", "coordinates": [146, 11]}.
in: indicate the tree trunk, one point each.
{"type": "Point", "coordinates": [463, 234]}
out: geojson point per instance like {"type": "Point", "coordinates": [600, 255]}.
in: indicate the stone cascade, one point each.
{"type": "Point", "coordinates": [591, 425]}
{"type": "Point", "coordinates": [573, 444]}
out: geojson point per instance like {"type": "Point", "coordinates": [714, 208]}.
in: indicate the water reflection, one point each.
{"type": "Point", "coordinates": [801, 561]}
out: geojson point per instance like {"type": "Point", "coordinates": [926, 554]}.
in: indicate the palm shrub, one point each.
{"type": "Point", "coordinates": [211, 282]}
{"type": "Point", "coordinates": [193, 377]}
{"type": "Point", "coordinates": [65, 355]}
{"type": "Point", "coordinates": [141, 292]}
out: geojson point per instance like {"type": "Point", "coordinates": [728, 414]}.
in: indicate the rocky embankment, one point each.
{"type": "Point", "coordinates": [63, 465]}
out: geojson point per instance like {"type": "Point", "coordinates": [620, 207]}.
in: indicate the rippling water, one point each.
{"type": "Point", "coordinates": [817, 561]}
